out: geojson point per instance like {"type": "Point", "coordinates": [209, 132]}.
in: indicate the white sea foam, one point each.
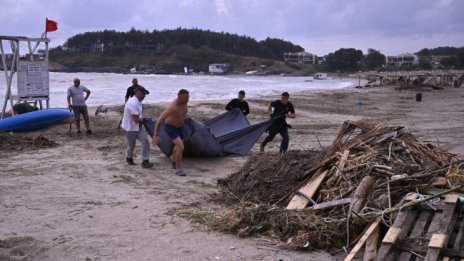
{"type": "Point", "coordinates": [110, 88]}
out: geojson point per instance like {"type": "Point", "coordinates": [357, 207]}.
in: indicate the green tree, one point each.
{"type": "Point", "coordinates": [461, 56]}
{"type": "Point", "coordinates": [374, 59]}
{"type": "Point", "coordinates": [425, 58]}
{"type": "Point", "coordinates": [450, 61]}
{"type": "Point", "coordinates": [345, 59]}
{"type": "Point", "coordinates": [136, 40]}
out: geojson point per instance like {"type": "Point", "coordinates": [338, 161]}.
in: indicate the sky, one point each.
{"type": "Point", "coordinates": [319, 26]}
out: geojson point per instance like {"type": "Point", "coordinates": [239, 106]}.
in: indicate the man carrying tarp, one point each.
{"type": "Point", "coordinates": [173, 118]}
{"type": "Point", "coordinates": [282, 109]}
{"type": "Point", "coordinates": [239, 103]}
{"type": "Point", "coordinates": [132, 126]}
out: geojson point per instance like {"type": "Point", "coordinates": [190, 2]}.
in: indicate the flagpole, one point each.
{"type": "Point", "coordinates": [38, 42]}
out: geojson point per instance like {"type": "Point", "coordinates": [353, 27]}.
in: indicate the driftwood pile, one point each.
{"type": "Point", "coordinates": [382, 164]}
{"type": "Point", "coordinates": [363, 176]}
{"type": "Point", "coordinates": [19, 142]}
{"type": "Point", "coordinates": [436, 79]}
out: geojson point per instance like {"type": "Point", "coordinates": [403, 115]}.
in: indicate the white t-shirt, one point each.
{"type": "Point", "coordinates": [132, 107]}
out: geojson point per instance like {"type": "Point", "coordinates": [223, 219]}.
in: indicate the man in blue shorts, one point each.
{"type": "Point", "coordinates": [174, 117]}
{"type": "Point", "coordinates": [76, 101]}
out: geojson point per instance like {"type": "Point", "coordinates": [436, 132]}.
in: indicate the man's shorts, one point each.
{"type": "Point", "coordinates": [78, 110]}
{"type": "Point", "coordinates": [173, 132]}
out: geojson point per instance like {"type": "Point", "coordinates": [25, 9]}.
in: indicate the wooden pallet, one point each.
{"type": "Point", "coordinates": [422, 233]}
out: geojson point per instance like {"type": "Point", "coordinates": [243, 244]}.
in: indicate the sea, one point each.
{"type": "Point", "coordinates": [110, 88]}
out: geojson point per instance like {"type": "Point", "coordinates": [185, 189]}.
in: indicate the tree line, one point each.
{"type": "Point", "coordinates": [345, 59]}
{"type": "Point", "coordinates": [115, 42]}
{"type": "Point", "coordinates": [350, 59]}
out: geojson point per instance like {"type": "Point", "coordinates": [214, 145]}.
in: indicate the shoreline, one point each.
{"type": "Point", "coordinates": [165, 87]}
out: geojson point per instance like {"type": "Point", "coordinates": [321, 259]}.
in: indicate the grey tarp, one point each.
{"type": "Point", "coordinates": [227, 134]}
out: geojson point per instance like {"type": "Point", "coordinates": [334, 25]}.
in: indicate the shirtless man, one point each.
{"type": "Point", "coordinates": [174, 117]}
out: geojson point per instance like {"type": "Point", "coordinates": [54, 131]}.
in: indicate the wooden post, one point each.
{"type": "Point", "coordinates": [370, 250]}
{"type": "Point", "coordinates": [372, 228]}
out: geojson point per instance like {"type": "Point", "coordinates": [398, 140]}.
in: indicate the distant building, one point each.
{"type": "Point", "coordinates": [402, 60]}
{"type": "Point", "coordinates": [300, 57]}
{"type": "Point", "coordinates": [218, 68]}
{"type": "Point", "coordinates": [321, 60]}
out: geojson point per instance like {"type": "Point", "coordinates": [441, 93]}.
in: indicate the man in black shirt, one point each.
{"type": "Point", "coordinates": [129, 94]}
{"type": "Point", "coordinates": [131, 90]}
{"type": "Point", "coordinates": [282, 109]}
{"type": "Point", "coordinates": [239, 103]}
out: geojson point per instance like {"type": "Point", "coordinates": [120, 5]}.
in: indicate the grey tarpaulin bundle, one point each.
{"type": "Point", "coordinates": [227, 134]}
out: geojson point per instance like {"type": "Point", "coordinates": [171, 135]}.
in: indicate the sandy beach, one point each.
{"type": "Point", "coordinates": [79, 200]}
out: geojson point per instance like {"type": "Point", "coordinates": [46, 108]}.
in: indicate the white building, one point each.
{"type": "Point", "coordinates": [218, 68]}
{"type": "Point", "coordinates": [402, 60]}
{"type": "Point", "coordinates": [300, 57]}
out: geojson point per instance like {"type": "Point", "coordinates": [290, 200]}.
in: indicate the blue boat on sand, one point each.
{"type": "Point", "coordinates": [34, 120]}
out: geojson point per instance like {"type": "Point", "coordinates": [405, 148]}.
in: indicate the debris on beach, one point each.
{"type": "Point", "coordinates": [19, 142]}
{"type": "Point", "coordinates": [406, 79]}
{"type": "Point", "coordinates": [371, 174]}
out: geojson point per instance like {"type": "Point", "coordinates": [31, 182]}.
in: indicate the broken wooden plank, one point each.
{"type": "Point", "coordinates": [452, 198]}
{"type": "Point", "coordinates": [417, 234]}
{"type": "Point", "coordinates": [373, 226]}
{"type": "Point", "coordinates": [341, 163]}
{"type": "Point", "coordinates": [392, 235]}
{"type": "Point", "coordinates": [437, 240]}
{"type": "Point", "coordinates": [300, 202]}
{"type": "Point", "coordinates": [440, 225]}
{"type": "Point", "coordinates": [332, 203]}
{"type": "Point", "coordinates": [403, 221]}
{"type": "Point", "coordinates": [419, 228]}
{"type": "Point", "coordinates": [370, 251]}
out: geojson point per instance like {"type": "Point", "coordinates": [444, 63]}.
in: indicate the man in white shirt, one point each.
{"type": "Point", "coordinates": [132, 126]}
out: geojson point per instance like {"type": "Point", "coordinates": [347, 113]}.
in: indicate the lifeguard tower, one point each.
{"type": "Point", "coordinates": [31, 68]}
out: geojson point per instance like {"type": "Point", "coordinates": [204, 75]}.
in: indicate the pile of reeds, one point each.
{"type": "Point", "coordinates": [303, 229]}
{"type": "Point", "coordinates": [388, 161]}
{"type": "Point", "coordinates": [19, 142]}
{"type": "Point", "coordinates": [382, 164]}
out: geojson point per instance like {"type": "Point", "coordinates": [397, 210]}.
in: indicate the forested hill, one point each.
{"type": "Point", "coordinates": [167, 50]}
{"type": "Point", "coordinates": [117, 42]}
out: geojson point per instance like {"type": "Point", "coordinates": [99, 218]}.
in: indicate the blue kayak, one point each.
{"type": "Point", "coordinates": [34, 120]}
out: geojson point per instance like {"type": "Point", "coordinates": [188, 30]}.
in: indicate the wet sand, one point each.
{"type": "Point", "coordinates": [79, 200]}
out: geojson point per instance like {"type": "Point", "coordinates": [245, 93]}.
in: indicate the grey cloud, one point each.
{"type": "Point", "coordinates": [313, 21]}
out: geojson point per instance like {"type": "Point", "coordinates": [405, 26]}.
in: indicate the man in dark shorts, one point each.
{"type": "Point", "coordinates": [282, 109]}
{"type": "Point", "coordinates": [174, 117]}
{"type": "Point", "coordinates": [76, 102]}
{"type": "Point", "coordinates": [239, 103]}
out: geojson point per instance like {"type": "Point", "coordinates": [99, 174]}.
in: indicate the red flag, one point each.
{"type": "Point", "coordinates": [50, 25]}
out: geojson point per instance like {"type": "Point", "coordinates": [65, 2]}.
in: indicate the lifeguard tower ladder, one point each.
{"type": "Point", "coordinates": [32, 70]}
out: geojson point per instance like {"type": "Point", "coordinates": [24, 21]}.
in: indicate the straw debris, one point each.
{"type": "Point", "coordinates": [17, 142]}
{"type": "Point", "coordinates": [383, 165]}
